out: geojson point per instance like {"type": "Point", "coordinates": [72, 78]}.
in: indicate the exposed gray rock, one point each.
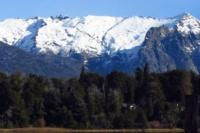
{"type": "Point", "coordinates": [165, 50]}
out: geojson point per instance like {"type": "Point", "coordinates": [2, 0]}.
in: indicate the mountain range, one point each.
{"type": "Point", "coordinates": [59, 46]}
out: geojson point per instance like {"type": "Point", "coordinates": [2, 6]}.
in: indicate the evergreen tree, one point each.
{"type": "Point", "coordinates": [20, 116]}
{"type": "Point", "coordinates": [146, 71]}
{"type": "Point", "coordinates": [139, 76]}
{"type": "Point", "coordinates": [82, 75]}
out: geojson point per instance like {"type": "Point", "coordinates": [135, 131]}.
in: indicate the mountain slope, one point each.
{"type": "Point", "coordinates": [14, 59]}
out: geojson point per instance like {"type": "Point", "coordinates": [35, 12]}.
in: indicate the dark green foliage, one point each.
{"type": "Point", "coordinates": [146, 71]}
{"type": "Point", "coordinates": [139, 75]}
{"type": "Point", "coordinates": [82, 77]}
{"type": "Point", "coordinates": [177, 84]}
{"type": "Point", "coordinates": [116, 101]}
{"type": "Point", "coordinates": [141, 119]}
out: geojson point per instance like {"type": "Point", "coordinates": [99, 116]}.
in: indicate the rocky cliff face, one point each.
{"type": "Point", "coordinates": [153, 51]}
{"type": "Point", "coordinates": [165, 50]}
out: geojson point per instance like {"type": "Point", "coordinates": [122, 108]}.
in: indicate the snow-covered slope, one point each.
{"type": "Point", "coordinates": [92, 35]}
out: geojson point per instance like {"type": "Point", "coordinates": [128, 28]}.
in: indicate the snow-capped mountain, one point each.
{"type": "Point", "coordinates": [110, 42]}
{"type": "Point", "coordinates": [91, 34]}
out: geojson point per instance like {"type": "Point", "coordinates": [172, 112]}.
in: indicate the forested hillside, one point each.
{"type": "Point", "coordinates": [117, 100]}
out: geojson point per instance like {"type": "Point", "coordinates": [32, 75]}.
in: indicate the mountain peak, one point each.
{"type": "Point", "coordinates": [181, 16]}
{"type": "Point", "coordinates": [188, 24]}
{"type": "Point", "coordinates": [186, 15]}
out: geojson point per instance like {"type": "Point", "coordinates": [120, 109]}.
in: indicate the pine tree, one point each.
{"type": "Point", "coordinates": [146, 71]}
{"type": "Point", "coordinates": [139, 75]}
{"type": "Point", "coordinates": [82, 75]}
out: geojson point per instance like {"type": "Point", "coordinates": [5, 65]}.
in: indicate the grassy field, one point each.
{"type": "Point", "coordinates": [63, 130]}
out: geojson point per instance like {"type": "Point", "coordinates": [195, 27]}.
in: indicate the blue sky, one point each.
{"type": "Point", "coordinates": [78, 8]}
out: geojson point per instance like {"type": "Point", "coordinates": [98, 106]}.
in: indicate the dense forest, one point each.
{"type": "Point", "coordinates": [118, 100]}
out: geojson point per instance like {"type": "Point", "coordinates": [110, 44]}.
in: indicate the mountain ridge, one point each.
{"type": "Point", "coordinates": [110, 42]}
{"type": "Point", "coordinates": [81, 25]}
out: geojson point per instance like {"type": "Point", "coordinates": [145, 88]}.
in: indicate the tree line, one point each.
{"type": "Point", "coordinates": [118, 100]}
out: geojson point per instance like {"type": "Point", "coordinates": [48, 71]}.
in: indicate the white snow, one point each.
{"type": "Point", "coordinates": [13, 30]}
{"type": "Point", "coordinates": [188, 24]}
{"type": "Point", "coordinates": [93, 35]}
{"type": "Point", "coordinates": [130, 33]}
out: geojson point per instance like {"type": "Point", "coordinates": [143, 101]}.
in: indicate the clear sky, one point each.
{"type": "Point", "coordinates": [78, 8]}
